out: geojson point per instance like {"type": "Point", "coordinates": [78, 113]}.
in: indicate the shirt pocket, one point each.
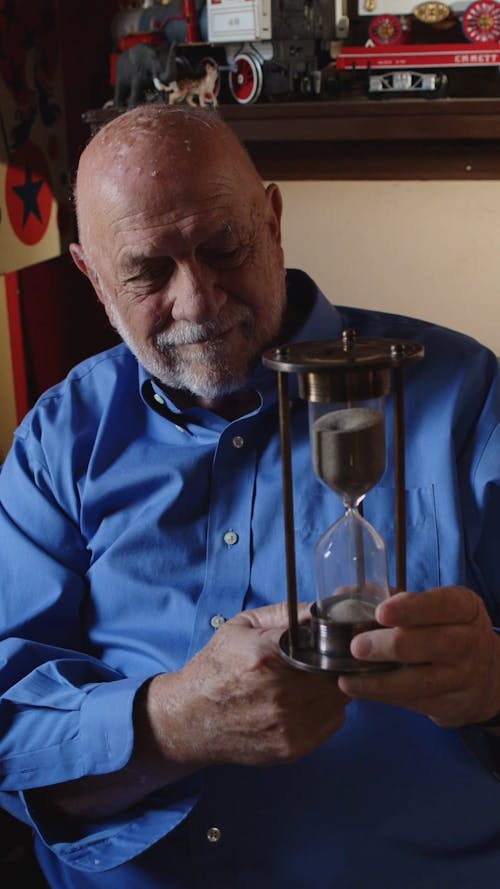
{"type": "Point", "coordinates": [422, 551]}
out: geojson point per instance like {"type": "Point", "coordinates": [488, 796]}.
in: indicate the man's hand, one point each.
{"type": "Point", "coordinates": [449, 653]}
{"type": "Point", "coordinates": [238, 701]}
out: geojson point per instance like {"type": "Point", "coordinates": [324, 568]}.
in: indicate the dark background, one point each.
{"type": "Point", "coordinates": [62, 321]}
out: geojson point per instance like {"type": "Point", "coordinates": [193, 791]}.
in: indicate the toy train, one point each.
{"type": "Point", "coordinates": [285, 49]}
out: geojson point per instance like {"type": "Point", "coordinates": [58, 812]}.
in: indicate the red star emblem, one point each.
{"type": "Point", "coordinates": [28, 193]}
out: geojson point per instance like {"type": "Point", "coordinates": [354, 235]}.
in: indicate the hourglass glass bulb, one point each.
{"type": "Point", "coordinates": [351, 561]}
{"type": "Point", "coordinates": [352, 579]}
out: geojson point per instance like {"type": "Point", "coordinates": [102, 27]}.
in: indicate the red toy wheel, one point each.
{"type": "Point", "coordinates": [481, 22]}
{"type": "Point", "coordinates": [386, 30]}
{"type": "Point", "coordinates": [246, 82]}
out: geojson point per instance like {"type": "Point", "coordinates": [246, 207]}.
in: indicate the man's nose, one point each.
{"type": "Point", "coordinates": [196, 295]}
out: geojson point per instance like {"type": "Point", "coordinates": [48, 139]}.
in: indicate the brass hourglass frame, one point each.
{"type": "Point", "coordinates": [349, 369]}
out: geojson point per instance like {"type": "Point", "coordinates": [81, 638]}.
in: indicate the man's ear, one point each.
{"type": "Point", "coordinates": [275, 202]}
{"type": "Point", "coordinates": [78, 257]}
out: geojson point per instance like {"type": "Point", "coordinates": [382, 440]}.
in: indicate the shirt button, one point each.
{"type": "Point", "coordinates": [213, 834]}
{"type": "Point", "coordinates": [217, 620]}
{"type": "Point", "coordinates": [238, 441]}
{"type": "Point", "coordinates": [158, 398]}
{"type": "Point", "coordinates": [230, 537]}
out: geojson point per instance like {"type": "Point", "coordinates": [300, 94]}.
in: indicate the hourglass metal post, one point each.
{"type": "Point", "coordinates": [344, 381]}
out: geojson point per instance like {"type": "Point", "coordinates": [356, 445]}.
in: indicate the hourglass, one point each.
{"type": "Point", "coordinates": [346, 383]}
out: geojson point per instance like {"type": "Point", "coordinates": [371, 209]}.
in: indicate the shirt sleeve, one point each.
{"type": "Point", "coordinates": [52, 687]}
{"type": "Point", "coordinates": [64, 713]}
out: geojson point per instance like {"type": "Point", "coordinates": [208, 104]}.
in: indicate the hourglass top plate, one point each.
{"type": "Point", "coordinates": [341, 353]}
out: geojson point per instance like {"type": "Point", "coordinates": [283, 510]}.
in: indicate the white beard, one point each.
{"type": "Point", "coordinates": [211, 369]}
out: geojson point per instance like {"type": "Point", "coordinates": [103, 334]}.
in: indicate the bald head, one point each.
{"type": "Point", "coordinates": [177, 123]}
{"type": "Point", "coordinates": [160, 144]}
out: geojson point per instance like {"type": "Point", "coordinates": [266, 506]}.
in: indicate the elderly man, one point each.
{"type": "Point", "coordinates": [151, 733]}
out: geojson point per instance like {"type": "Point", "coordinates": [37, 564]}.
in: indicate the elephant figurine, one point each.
{"type": "Point", "coordinates": [139, 68]}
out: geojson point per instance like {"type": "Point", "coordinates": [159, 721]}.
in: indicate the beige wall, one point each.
{"type": "Point", "coordinates": [428, 249]}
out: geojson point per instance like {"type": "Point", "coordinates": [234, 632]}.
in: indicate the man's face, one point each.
{"type": "Point", "coordinates": [192, 276]}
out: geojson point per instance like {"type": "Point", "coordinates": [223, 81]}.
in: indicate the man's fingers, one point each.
{"type": "Point", "coordinates": [418, 645]}
{"type": "Point", "coordinates": [446, 605]}
{"type": "Point", "coordinates": [270, 616]}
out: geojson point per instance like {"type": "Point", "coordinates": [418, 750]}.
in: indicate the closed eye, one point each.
{"type": "Point", "coordinates": [230, 257]}
{"type": "Point", "coordinates": [155, 272]}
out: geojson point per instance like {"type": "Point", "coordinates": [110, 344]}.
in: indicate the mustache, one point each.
{"type": "Point", "coordinates": [187, 333]}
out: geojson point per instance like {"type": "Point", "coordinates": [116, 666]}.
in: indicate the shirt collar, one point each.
{"type": "Point", "coordinates": [322, 317]}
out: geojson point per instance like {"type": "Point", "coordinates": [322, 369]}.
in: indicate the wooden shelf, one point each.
{"type": "Point", "coordinates": [372, 139]}
{"type": "Point", "coordinates": [365, 138]}
{"type": "Point", "coordinates": [366, 120]}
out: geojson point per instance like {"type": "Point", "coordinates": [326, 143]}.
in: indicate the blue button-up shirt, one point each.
{"type": "Point", "coordinates": [129, 530]}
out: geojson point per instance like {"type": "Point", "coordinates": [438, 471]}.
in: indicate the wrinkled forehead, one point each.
{"type": "Point", "coordinates": [162, 145]}
{"type": "Point", "coordinates": [150, 160]}
{"type": "Point", "coordinates": [147, 170]}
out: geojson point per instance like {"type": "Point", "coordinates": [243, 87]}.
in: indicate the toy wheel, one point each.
{"type": "Point", "coordinates": [246, 82]}
{"type": "Point", "coordinates": [386, 30]}
{"type": "Point", "coordinates": [481, 22]}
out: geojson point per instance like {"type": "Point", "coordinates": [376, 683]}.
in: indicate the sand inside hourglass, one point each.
{"type": "Point", "coordinates": [348, 610]}
{"type": "Point", "coordinates": [349, 450]}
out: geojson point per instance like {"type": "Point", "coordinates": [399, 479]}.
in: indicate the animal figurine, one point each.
{"type": "Point", "coordinates": [187, 87]}
{"type": "Point", "coordinates": [140, 69]}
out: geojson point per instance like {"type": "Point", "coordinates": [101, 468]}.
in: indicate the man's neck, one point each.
{"type": "Point", "coordinates": [231, 406]}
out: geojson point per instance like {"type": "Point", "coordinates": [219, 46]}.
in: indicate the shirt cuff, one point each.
{"type": "Point", "coordinates": [106, 738]}
{"type": "Point", "coordinates": [109, 843]}
{"type": "Point", "coordinates": [106, 726]}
